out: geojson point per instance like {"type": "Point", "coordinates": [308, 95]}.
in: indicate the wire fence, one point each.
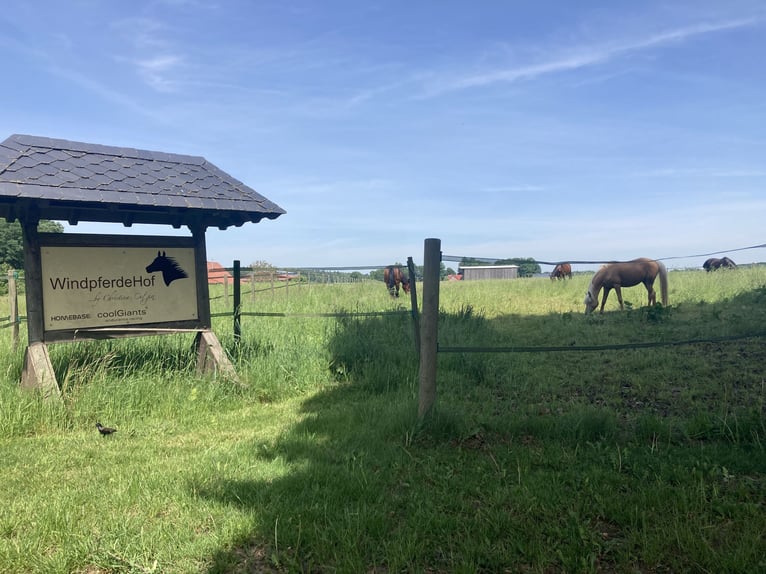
{"type": "Point", "coordinates": [299, 274]}
{"type": "Point", "coordinates": [338, 314]}
{"type": "Point", "coordinates": [460, 258]}
{"type": "Point", "coordinates": [591, 348]}
{"type": "Point", "coordinates": [254, 277]}
{"type": "Point", "coordinates": [526, 349]}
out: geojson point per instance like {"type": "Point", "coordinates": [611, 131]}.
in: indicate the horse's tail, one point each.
{"type": "Point", "coordinates": [391, 279]}
{"type": "Point", "coordinates": [663, 271]}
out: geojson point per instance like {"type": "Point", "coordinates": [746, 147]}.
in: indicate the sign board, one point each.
{"type": "Point", "coordinates": [118, 285]}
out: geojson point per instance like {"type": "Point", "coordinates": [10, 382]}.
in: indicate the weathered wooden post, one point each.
{"type": "Point", "coordinates": [38, 370]}
{"type": "Point", "coordinates": [13, 306]}
{"type": "Point", "coordinates": [429, 326]}
{"type": "Point", "coordinates": [237, 305]}
{"type": "Point", "coordinates": [200, 271]}
{"type": "Point", "coordinates": [414, 301]}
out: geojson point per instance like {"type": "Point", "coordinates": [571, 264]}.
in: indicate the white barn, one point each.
{"type": "Point", "coordinates": [477, 272]}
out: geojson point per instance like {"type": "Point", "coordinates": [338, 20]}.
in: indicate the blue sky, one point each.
{"type": "Point", "coordinates": [557, 130]}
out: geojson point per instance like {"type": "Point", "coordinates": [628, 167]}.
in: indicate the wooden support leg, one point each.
{"type": "Point", "coordinates": [38, 371]}
{"type": "Point", "coordinates": [211, 358]}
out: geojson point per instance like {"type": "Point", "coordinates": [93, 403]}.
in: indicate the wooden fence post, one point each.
{"type": "Point", "coordinates": [226, 287]}
{"type": "Point", "coordinates": [13, 305]}
{"type": "Point", "coordinates": [429, 326]}
{"type": "Point", "coordinates": [237, 304]}
{"type": "Point", "coordinates": [414, 301]}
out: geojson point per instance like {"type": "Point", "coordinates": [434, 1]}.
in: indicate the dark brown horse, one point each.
{"type": "Point", "coordinates": [394, 277]}
{"type": "Point", "coordinates": [627, 274]}
{"type": "Point", "coordinates": [561, 271]}
{"type": "Point", "coordinates": [712, 264]}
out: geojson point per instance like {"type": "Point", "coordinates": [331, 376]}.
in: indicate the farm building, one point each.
{"type": "Point", "coordinates": [216, 273]}
{"type": "Point", "coordinates": [477, 272]}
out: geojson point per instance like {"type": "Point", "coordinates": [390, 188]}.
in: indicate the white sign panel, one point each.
{"type": "Point", "coordinates": [117, 286]}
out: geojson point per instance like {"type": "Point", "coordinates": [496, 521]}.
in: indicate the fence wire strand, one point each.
{"type": "Point", "coordinates": [589, 348]}
{"type": "Point", "coordinates": [459, 258]}
{"type": "Point", "coordinates": [303, 315]}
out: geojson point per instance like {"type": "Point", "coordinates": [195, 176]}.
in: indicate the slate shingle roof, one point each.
{"type": "Point", "coordinates": [73, 181]}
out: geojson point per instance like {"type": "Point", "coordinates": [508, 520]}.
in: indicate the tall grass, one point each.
{"type": "Point", "coordinates": [632, 460]}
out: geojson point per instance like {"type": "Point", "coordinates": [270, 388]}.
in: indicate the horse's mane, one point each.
{"type": "Point", "coordinates": [175, 268]}
{"type": "Point", "coordinates": [172, 271]}
{"type": "Point", "coordinates": [598, 277]}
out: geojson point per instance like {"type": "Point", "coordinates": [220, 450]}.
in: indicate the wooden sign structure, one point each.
{"type": "Point", "coordinates": [81, 286]}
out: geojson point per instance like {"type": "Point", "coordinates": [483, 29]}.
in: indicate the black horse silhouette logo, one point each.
{"type": "Point", "coordinates": [170, 268]}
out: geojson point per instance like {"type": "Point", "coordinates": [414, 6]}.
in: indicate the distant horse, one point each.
{"type": "Point", "coordinates": [394, 277]}
{"type": "Point", "coordinates": [170, 268]}
{"type": "Point", "coordinates": [627, 274]}
{"type": "Point", "coordinates": [561, 271]}
{"type": "Point", "coordinates": [712, 264]}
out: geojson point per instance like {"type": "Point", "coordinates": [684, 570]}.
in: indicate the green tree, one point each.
{"type": "Point", "coordinates": [376, 274]}
{"type": "Point", "coordinates": [527, 267]}
{"type": "Point", "coordinates": [262, 266]}
{"type": "Point", "coordinates": [12, 242]}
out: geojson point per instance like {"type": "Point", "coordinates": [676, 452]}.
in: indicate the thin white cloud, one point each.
{"type": "Point", "coordinates": [513, 189]}
{"type": "Point", "coordinates": [156, 61]}
{"type": "Point", "coordinates": [701, 172]}
{"type": "Point", "coordinates": [107, 94]}
{"type": "Point", "coordinates": [142, 33]}
{"type": "Point", "coordinates": [157, 71]}
{"type": "Point", "coordinates": [582, 57]}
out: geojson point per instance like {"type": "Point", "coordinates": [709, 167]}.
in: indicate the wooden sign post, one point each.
{"type": "Point", "coordinates": [105, 286]}
{"type": "Point", "coordinates": [81, 287]}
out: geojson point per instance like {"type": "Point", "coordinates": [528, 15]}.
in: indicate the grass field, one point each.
{"type": "Point", "coordinates": [613, 460]}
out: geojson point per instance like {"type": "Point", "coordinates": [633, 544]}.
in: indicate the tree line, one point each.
{"type": "Point", "coordinates": [12, 257]}
{"type": "Point", "coordinates": [12, 241]}
{"type": "Point", "coordinates": [528, 267]}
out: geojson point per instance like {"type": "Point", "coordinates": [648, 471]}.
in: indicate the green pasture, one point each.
{"type": "Point", "coordinates": [613, 459]}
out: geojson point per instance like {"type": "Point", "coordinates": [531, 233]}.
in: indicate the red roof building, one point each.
{"type": "Point", "coordinates": [216, 274]}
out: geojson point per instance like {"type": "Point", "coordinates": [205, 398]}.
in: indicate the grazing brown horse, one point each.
{"type": "Point", "coordinates": [627, 274]}
{"type": "Point", "coordinates": [561, 271]}
{"type": "Point", "coordinates": [712, 264]}
{"type": "Point", "coordinates": [394, 277]}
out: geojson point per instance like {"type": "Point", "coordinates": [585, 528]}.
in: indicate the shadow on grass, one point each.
{"type": "Point", "coordinates": [488, 482]}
